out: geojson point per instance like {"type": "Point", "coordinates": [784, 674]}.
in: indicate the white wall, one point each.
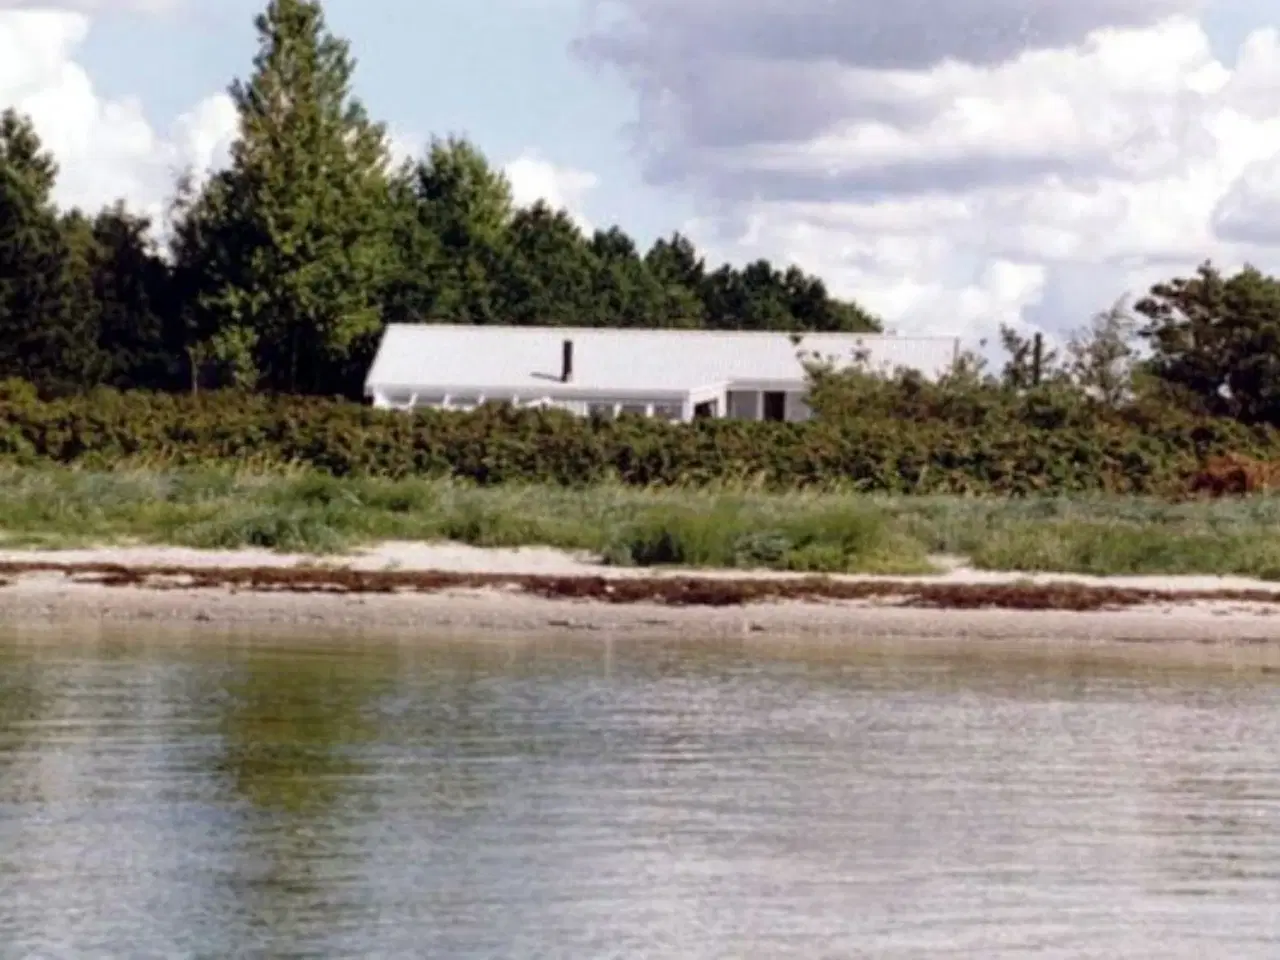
{"type": "Point", "coordinates": [608, 405]}
{"type": "Point", "coordinates": [736, 404]}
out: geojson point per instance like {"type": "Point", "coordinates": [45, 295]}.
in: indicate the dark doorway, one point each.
{"type": "Point", "coordinates": [775, 405]}
{"type": "Point", "coordinates": [703, 411]}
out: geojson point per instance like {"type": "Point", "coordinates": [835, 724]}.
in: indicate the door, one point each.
{"type": "Point", "coordinates": [775, 405]}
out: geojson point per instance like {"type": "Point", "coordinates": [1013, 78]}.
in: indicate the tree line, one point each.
{"type": "Point", "coordinates": [280, 271]}
{"type": "Point", "coordinates": [1201, 348]}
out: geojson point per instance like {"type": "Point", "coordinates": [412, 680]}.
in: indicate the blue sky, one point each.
{"type": "Point", "coordinates": [499, 71]}
{"type": "Point", "coordinates": [984, 162]}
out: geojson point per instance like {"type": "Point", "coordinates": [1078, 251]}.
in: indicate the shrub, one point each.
{"type": "Point", "coordinates": [985, 445]}
{"type": "Point", "coordinates": [1235, 475]}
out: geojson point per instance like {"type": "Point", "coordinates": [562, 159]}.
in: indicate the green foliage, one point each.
{"type": "Point", "coordinates": [46, 324]}
{"type": "Point", "coordinates": [132, 299]}
{"type": "Point", "coordinates": [1102, 359]}
{"type": "Point", "coordinates": [983, 442]}
{"type": "Point", "coordinates": [760, 297]}
{"type": "Point", "coordinates": [283, 269]}
{"type": "Point", "coordinates": [721, 526]}
{"type": "Point", "coordinates": [548, 271]}
{"type": "Point", "coordinates": [452, 211]}
{"type": "Point", "coordinates": [300, 234]}
{"type": "Point", "coordinates": [311, 513]}
{"type": "Point", "coordinates": [1216, 341]}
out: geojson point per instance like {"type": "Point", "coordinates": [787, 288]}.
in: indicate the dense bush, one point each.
{"type": "Point", "coordinates": [1010, 448]}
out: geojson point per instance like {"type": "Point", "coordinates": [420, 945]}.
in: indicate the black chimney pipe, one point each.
{"type": "Point", "coordinates": [566, 362]}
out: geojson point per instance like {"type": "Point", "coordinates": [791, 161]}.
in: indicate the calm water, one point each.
{"type": "Point", "coordinates": [598, 801]}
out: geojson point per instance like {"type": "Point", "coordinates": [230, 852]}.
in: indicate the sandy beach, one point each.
{"type": "Point", "coordinates": [438, 589]}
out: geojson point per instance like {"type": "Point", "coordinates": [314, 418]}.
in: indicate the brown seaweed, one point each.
{"type": "Point", "coordinates": [676, 591]}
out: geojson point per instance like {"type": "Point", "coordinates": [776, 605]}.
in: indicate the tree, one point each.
{"type": "Point", "coordinates": [1101, 358]}
{"type": "Point", "coordinates": [413, 290]}
{"type": "Point", "coordinates": [47, 333]}
{"type": "Point", "coordinates": [455, 213]}
{"type": "Point", "coordinates": [548, 270]}
{"type": "Point", "coordinates": [297, 234]}
{"type": "Point", "coordinates": [1028, 364]}
{"type": "Point", "coordinates": [675, 261]}
{"type": "Point", "coordinates": [813, 308]}
{"type": "Point", "coordinates": [747, 299]}
{"type": "Point", "coordinates": [466, 199]}
{"type": "Point", "coordinates": [1216, 341]}
{"type": "Point", "coordinates": [760, 297]}
{"type": "Point", "coordinates": [628, 292]}
{"type": "Point", "coordinates": [217, 351]}
{"type": "Point", "coordinates": [133, 296]}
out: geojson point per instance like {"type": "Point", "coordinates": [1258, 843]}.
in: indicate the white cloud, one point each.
{"type": "Point", "coordinates": [534, 178]}
{"type": "Point", "coordinates": [106, 149]}
{"type": "Point", "coordinates": [100, 6]}
{"type": "Point", "coordinates": [978, 173]}
{"type": "Point", "coordinates": [1249, 213]}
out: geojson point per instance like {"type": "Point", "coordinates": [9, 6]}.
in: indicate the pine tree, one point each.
{"type": "Point", "coordinates": [297, 242]}
{"type": "Point", "coordinates": [457, 233]}
{"type": "Point", "coordinates": [47, 321]}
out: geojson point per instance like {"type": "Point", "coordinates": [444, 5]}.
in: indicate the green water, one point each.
{"type": "Point", "coordinates": [259, 798]}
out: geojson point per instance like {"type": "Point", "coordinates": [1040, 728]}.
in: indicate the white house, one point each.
{"type": "Point", "coordinates": [672, 374]}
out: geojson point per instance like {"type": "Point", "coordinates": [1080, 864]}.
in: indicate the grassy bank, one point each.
{"type": "Point", "coordinates": [820, 532]}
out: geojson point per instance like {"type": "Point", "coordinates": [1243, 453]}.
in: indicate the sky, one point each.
{"type": "Point", "coordinates": [953, 165]}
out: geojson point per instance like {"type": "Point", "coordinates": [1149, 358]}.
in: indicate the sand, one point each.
{"type": "Point", "coordinates": [52, 598]}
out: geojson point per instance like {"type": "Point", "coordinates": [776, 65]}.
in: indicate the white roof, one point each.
{"type": "Point", "coordinates": [432, 357]}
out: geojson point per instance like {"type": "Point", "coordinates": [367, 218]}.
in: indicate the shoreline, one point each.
{"type": "Point", "coordinates": [444, 589]}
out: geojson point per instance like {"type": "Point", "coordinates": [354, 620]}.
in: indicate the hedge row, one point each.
{"type": "Point", "coordinates": [500, 445]}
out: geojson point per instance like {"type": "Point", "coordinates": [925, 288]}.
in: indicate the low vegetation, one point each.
{"type": "Point", "coordinates": [711, 526]}
{"type": "Point", "coordinates": [895, 438]}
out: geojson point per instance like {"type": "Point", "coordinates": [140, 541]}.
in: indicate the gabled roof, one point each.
{"type": "Point", "coordinates": [504, 359]}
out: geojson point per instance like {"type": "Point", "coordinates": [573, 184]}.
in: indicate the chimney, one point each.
{"type": "Point", "coordinates": [566, 362]}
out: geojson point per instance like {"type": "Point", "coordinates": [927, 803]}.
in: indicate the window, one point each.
{"type": "Point", "coordinates": [775, 405]}
{"type": "Point", "coordinates": [741, 404]}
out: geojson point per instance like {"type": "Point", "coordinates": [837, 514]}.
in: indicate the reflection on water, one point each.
{"type": "Point", "coordinates": [642, 800]}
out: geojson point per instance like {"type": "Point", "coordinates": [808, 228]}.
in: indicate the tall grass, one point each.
{"type": "Point", "coordinates": [310, 512]}
{"type": "Point", "coordinates": [833, 531]}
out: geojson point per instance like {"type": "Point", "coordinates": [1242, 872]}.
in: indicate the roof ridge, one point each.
{"type": "Point", "coordinates": [683, 331]}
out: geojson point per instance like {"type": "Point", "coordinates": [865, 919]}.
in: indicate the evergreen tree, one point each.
{"type": "Point", "coordinates": [295, 240]}
{"type": "Point", "coordinates": [217, 351]}
{"type": "Point", "coordinates": [681, 271]}
{"type": "Point", "coordinates": [1215, 341]}
{"type": "Point", "coordinates": [412, 291]}
{"type": "Point", "coordinates": [453, 238]}
{"type": "Point", "coordinates": [629, 293]}
{"type": "Point", "coordinates": [676, 261]}
{"type": "Point", "coordinates": [133, 295]}
{"type": "Point", "coordinates": [548, 270]}
{"type": "Point", "coordinates": [760, 297]}
{"type": "Point", "coordinates": [47, 333]}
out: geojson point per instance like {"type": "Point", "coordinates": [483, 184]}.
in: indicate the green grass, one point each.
{"type": "Point", "coordinates": [811, 531]}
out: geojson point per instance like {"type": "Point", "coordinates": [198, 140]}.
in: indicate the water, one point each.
{"type": "Point", "coordinates": [570, 800]}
